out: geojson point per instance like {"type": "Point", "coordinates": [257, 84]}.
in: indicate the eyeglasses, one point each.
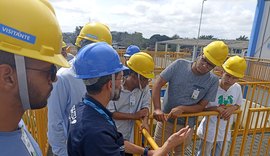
{"type": "Point", "coordinates": [52, 71]}
{"type": "Point", "coordinates": [121, 78]}
{"type": "Point", "coordinates": [206, 62]}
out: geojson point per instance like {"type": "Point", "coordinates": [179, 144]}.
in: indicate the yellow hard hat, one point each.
{"type": "Point", "coordinates": [96, 32]}
{"type": "Point", "coordinates": [143, 64]}
{"type": "Point", "coordinates": [77, 43]}
{"type": "Point", "coordinates": [31, 30]}
{"type": "Point", "coordinates": [64, 44]}
{"type": "Point", "coordinates": [216, 52]}
{"type": "Point", "coordinates": [236, 66]}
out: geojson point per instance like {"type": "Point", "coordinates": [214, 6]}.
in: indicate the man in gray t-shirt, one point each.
{"type": "Point", "coordinates": [191, 86]}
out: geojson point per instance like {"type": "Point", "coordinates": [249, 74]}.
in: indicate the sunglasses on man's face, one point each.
{"type": "Point", "coordinates": [206, 62]}
{"type": "Point", "coordinates": [52, 71]}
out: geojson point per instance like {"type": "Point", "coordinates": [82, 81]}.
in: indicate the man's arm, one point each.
{"type": "Point", "coordinates": [133, 149]}
{"type": "Point", "coordinates": [174, 140]}
{"type": "Point", "coordinates": [158, 114]}
{"type": "Point", "coordinates": [130, 116]}
{"type": "Point", "coordinates": [199, 107]}
{"type": "Point", "coordinates": [145, 121]}
{"type": "Point", "coordinates": [146, 100]}
{"type": "Point", "coordinates": [56, 132]}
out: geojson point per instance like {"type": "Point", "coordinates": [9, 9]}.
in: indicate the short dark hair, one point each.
{"type": "Point", "coordinates": [83, 43]}
{"type": "Point", "coordinates": [97, 87]}
{"type": "Point", "coordinates": [133, 72]}
{"type": "Point", "coordinates": [7, 58]}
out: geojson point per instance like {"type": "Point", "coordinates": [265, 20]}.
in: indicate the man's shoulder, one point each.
{"type": "Point", "coordinates": [65, 71]}
{"type": "Point", "coordinates": [67, 75]}
{"type": "Point", "coordinates": [213, 76]}
{"type": "Point", "coordinates": [179, 65]}
{"type": "Point", "coordinates": [183, 61]}
{"type": "Point", "coordinates": [236, 87]}
{"type": "Point", "coordinates": [10, 141]}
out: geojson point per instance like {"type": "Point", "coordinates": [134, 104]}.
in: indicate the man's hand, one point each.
{"type": "Point", "coordinates": [179, 137]}
{"type": "Point", "coordinates": [227, 112]}
{"type": "Point", "coordinates": [220, 109]}
{"type": "Point", "coordinates": [159, 115]}
{"type": "Point", "coordinates": [175, 112]}
{"type": "Point", "coordinates": [145, 126]}
{"type": "Point", "coordinates": [141, 114]}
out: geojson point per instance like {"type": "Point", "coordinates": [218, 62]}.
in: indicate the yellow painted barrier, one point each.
{"type": "Point", "coordinates": [36, 122]}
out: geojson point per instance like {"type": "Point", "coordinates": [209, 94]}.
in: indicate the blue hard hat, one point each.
{"type": "Point", "coordinates": [132, 49]}
{"type": "Point", "coordinates": [97, 60]}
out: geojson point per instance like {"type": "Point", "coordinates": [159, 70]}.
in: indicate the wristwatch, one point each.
{"type": "Point", "coordinates": [145, 152]}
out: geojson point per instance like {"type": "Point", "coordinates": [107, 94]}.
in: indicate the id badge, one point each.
{"type": "Point", "coordinates": [132, 100]}
{"type": "Point", "coordinates": [27, 143]}
{"type": "Point", "coordinates": [195, 94]}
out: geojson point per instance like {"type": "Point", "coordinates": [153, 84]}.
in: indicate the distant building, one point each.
{"type": "Point", "coordinates": [236, 47]}
{"type": "Point", "coordinates": [117, 46]}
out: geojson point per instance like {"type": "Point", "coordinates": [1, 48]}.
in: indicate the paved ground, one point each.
{"type": "Point", "coordinates": [238, 144]}
{"type": "Point", "coordinates": [257, 138]}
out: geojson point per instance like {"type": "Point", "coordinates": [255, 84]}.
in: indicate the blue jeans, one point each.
{"type": "Point", "coordinates": [209, 146]}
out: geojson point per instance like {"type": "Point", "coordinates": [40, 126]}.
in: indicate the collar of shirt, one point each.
{"type": "Point", "coordinates": [98, 104]}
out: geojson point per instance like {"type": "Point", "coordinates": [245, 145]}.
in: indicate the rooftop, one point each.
{"type": "Point", "coordinates": [202, 42]}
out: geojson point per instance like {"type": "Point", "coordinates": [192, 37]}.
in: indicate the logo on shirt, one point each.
{"type": "Point", "coordinates": [122, 148]}
{"type": "Point", "coordinates": [73, 115]}
{"type": "Point", "coordinates": [224, 101]}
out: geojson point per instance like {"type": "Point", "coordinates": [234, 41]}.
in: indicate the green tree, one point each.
{"type": "Point", "coordinates": [242, 38]}
{"type": "Point", "coordinates": [207, 37]}
{"type": "Point", "coordinates": [70, 37]}
{"type": "Point", "coordinates": [175, 36]}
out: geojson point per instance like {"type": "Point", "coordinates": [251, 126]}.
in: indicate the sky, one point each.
{"type": "Point", "coordinates": [226, 19]}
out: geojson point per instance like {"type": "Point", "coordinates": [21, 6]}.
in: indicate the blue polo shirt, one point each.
{"type": "Point", "coordinates": [91, 132]}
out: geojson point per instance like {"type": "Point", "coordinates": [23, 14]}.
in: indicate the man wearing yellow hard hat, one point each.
{"type": "Point", "coordinates": [69, 91]}
{"type": "Point", "coordinates": [134, 102]}
{"type": "Point", "coordinates": [229, 98]}
{"type": "Point", "coordinates": [64, 52]}
{"type": "Point", "coordinates": [92, 131]}
{"type": "Point", "coordinates": [30, 46]}
{"type": "Point", "coordinates": [191, 87]}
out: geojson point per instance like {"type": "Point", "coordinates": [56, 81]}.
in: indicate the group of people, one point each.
{"type": "Point", "coordinates": [94, 99]}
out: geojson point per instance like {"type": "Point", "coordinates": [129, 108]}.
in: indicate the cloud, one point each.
{"type": "Point", "coordinates": [222, 18]}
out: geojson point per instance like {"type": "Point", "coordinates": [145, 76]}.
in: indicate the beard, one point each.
{"type": "Point", "coordinates": [37, 98]}
{"type": "Point", "coordinates": [116, 95]}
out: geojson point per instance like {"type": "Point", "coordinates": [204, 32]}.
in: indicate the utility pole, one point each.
{"type": "Point", "coordinates": [199, 30]}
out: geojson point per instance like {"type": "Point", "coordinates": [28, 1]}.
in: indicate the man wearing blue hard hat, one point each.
{"type": "Point", "coordinates": [131, 50]}
{"type": "Point", "coordinates": [92, 130]}
{"type": "Point", "coordinates": [68, 91]}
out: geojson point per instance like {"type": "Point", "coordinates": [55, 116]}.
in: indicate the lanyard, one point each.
{"type": "Point", "coordinates": [100, 111]}
{"type": "Point", "coordinates": [27, 143]}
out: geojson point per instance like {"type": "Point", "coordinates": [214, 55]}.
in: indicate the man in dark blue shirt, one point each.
{"type": "Point", "coordinates": [92, 132]}
{"type": "Point", "coordinates": [92, 129]}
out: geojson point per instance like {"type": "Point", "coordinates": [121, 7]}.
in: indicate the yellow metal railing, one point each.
{"type": "Point", "coordinates": [148, 139]}
{"type": "Point", "coordinates": [256, 95]}
{"type": "Point", "coordinates": [36, 122]}
{"type": "Point", "coordinates": [264, 126]}
{"type": "Point", "coordinates": [257, 69]}
{"type": "Point", "coordinates": [161, 59]}
{"type": "Point", "coordinates": [153, 145]}
{"type": "Point", "coordinates": [237, 146]}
